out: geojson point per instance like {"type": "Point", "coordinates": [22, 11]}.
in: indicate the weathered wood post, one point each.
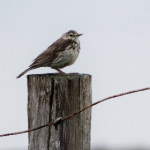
{"type": "Point", "coordinates": [51, 96]}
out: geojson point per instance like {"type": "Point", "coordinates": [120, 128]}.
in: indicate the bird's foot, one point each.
{"type": "Point", "coordinates": [63, 73]}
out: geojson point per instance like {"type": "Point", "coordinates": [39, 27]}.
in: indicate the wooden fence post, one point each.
{"type": "Point", "coordinates": [51, 96]}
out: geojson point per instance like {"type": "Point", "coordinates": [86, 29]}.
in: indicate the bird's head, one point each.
{"type": "Point", "coordinates": [71, 35]}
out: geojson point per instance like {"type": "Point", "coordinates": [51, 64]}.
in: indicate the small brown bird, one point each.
{"type": "Point", "coordinates": [60, 54]}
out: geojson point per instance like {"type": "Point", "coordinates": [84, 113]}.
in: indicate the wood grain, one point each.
{"type": "Point", "coordinates": [51, 96]}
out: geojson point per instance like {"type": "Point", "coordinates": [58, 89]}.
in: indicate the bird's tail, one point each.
{"type": "Point", "coordinates": [24, 72]}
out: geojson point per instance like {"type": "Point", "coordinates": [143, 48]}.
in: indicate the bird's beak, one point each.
{"type": "Point", "coordinates": [79, 35]}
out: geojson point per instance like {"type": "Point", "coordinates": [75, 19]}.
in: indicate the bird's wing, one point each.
{"type": "Point", "coordinates": [51, 52]}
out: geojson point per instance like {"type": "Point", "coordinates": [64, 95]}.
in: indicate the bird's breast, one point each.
{"type": "Point", "coordinates": [66, 57]}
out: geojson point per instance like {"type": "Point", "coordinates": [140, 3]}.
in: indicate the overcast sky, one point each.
{"type": "Point", "coordinates": [115, 50]}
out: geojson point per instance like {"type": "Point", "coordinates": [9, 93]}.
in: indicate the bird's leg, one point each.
{"type": "Point", "coordinates": [61, 72]}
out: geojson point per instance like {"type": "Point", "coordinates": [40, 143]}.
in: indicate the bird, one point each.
{"type": "Point", "coordinates": [63, 52]}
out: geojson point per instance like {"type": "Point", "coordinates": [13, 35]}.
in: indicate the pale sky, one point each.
{"type": "Point", "coordinates": [115, 50]}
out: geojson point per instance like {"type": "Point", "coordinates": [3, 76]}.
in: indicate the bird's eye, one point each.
{"type": "Point", "coordinates": [71, 35]}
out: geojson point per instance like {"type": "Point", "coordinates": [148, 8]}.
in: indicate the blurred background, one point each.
{"type": "Point", "coordinates": [115, 50]}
